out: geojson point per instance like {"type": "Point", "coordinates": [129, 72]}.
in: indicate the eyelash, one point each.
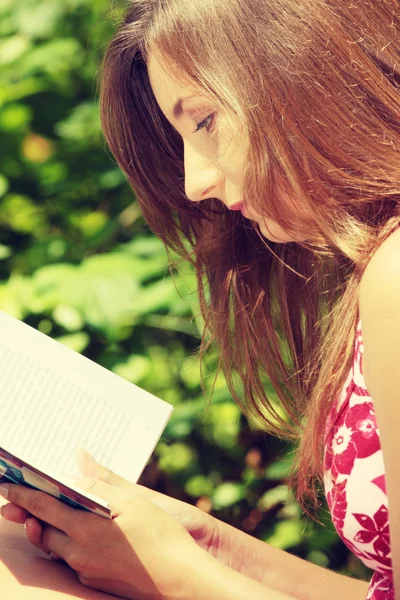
{"type": "Point", "coordinates": [206, 123]}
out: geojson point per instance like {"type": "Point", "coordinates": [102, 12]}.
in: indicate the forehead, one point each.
{"type": "Point", "coordinates": [166, 88]}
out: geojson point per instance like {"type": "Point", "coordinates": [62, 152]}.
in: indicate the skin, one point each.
{"type": "Point", "coordinates": [276, 570]}
{"type": "Point", "coordinates": [26, 573]}
{"type": "Point", "coordinates": [214, 156]}
{"type": "Point", "coordinates": [217, 561]}
{"type": "Point", "coordinates": [380, 316]}
{"type": "Point", "coordinates": [118, 556]}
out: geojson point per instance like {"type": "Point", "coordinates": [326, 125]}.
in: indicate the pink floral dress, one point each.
{"type": "Point", "coordinates": [355, 479]}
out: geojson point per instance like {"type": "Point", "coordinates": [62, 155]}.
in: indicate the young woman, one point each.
{"type": "Point", "coordinates": [262, 139]}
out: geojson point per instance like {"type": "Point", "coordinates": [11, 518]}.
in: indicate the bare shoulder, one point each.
{"type": "Point", "coordinates": [379, 303]}
{"type": "Point", "coordinates": [380, 284]}
{"type": "Point", "coordinates": [380, 316]}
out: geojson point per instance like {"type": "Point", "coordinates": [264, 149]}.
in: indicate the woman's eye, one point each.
{"type": "Point", "coordinates": [207, 123]}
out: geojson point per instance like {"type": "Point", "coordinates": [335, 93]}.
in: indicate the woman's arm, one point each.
{"type": "Point", "coordinates": [241, 552]}
{"type": "Point", "coordinates": [273, 568]}
{"type": "Point", "coordinates": [141, 553]}
{"type": "Point", "coordinates": [280, 570]}
{"type": "Point", "coordinates": [24, 576]}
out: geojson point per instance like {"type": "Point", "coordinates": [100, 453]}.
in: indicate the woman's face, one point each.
{"type": "Point", "coordinates": [214, 155]}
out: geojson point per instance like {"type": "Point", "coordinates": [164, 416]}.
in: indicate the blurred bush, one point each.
{"type": "Point", "coordinates": [78, 263]}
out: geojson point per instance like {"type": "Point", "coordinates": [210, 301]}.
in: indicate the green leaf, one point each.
{"type": "Point", "coordinates": [286, 534]}
{"type": "Point", "coordinates": [39, 19]}
{"type": "Point", "coordinates": [15, 117]}
{"type": "Point", "coordinates": [82, 126]}
{"type": "Point", "coordinates": [272, 497]}
{"type": "Point", "coordinates": [227, 494]}
{"type": "Point", "coordinates": [21, 214]}
{"type": "Point", "coordinates": [3, 185]}
{"type": "Point", "coordinates": [134, 369]}
{"type": "Point", "coordinates": [12, 48]}
{"type": "Point", "coordinates": [318, 558]}
{"type": "Point", "coordinates": [89, 222]}
{"type": "Point", "coordinates": [75, 341]}
{"type": "Point", "coordinates": [223, 424]}
{"type": "Point", "coordinates": [5, 251]}
{"type": "Point", "coordinates": [68, 317]}
{"type": "Point", "coordinates": [199, 485]}
{"type": "Point", "coordinates": [10, 92]}
{"type": "Point", "coordinates": [176, 458]}
{"type": "Point", "coordinates": [111, 179]}
{"type": "Point", "coordinates": [280, 468]}
{"type": "Point", "coordinates": [55, 285]}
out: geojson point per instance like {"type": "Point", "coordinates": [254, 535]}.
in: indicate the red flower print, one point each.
{"type": "Point", "coordinates": [355, 488]}
{"type": "Point", "coordinates": [342, 452]}
{"type": "Point", "coordinates": [354, 437]}
{"type": "Point", "coordinates": [361, 419]}
{"type": "Point", "coordinates": [338, 505]}
{"type": "Point", "coordinates": [376, 529]}
{"type": "Point", "coordinates": [380, 482]}
{"type": "Point", "coordinates": [380, 588]}
{"type": "Point", "coordinates": [360, 391]}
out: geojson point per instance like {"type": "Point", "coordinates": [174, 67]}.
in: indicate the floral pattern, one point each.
{"type": "Point", "coordinates": [355, 479]}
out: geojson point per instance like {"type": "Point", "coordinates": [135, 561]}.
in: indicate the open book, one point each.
{"type": "Point", "coordinates": [54, 400]}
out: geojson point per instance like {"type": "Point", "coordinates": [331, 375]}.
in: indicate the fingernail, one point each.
{"type": "Point", "coordinates": [86, 454]}
{"type": "Point", "coordinates": [4, 490]}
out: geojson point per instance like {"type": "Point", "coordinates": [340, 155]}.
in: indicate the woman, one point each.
{"type": "Point", "coordinates": [262, 139]}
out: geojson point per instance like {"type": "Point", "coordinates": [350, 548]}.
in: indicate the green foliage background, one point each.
{"type": "Point", "coordinates": [78, 262]}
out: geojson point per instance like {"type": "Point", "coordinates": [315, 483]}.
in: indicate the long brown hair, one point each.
{"type": "Point", "coordinates": [316, 87]}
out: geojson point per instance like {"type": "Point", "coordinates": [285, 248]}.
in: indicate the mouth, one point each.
{"type": "Point", "coordinates": [240, 206]}
{"type": "Point", "coordinates": [237, 206]}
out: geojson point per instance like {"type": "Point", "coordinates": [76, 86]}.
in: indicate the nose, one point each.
{"type": "Point", "coordinates": [202, 177]}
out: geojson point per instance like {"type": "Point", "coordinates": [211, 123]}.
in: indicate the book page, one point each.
{"type": "Point", "coordinates": [53, 400]}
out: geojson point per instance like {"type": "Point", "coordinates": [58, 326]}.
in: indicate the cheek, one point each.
{"type": "Point", "coordinates": [232, 151]}
{"type": "Point", "coordinates": [232, 169]}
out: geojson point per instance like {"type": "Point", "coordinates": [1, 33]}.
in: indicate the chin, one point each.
{"type": "Point", "coordinates": [276, 234]}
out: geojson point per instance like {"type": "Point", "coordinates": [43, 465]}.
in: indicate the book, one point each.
{"type": "Point", "coordinates": [54, 400]}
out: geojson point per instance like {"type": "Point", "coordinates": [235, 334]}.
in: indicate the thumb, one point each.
{"type": "Point", "coordinates": [89, 467]}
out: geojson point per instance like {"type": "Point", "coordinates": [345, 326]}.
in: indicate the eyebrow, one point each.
{"type": "Point", "coordinates": [177, 110]}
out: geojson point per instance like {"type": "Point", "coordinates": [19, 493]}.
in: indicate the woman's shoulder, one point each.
{"type": "Point", "coordinates": [381, 279]}
{"type": "Point", "coordinates": [379, 304]}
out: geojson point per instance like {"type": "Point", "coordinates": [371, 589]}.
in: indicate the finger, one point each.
{"type": "Point", "coordinates": [56, 542]}
{"type": "Point", "coordinates": [14, 513]}
{"type": "Point", "coordinates": [116, 498]}
{"type": "Point", "coordinates": [43, 506]}
{"type": "Point", "coordinates": [34, 529]}
{"type": "Point", "coordinates": [89, 467]}
{"type": "Point", "coordinates": [46, 538]}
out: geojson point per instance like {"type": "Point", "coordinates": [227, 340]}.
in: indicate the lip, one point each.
{"type": "Point", "coordinates": [237, 206]}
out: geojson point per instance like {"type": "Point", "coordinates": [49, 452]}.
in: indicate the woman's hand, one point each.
{"type": "Point", "coordinates": [204, 529]}
{"type": "Point", "coordinates": [141, 553]}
